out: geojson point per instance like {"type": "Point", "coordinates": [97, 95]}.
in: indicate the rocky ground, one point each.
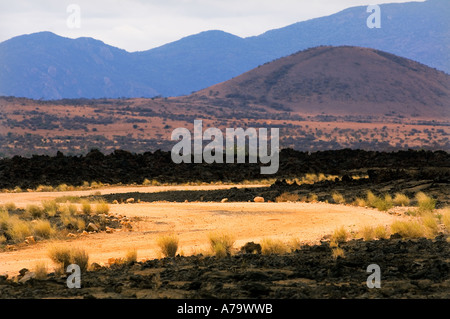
{"type": "Point", "coordinates": [379, 182]}
{"type": "Point", "coordinates": [127, 168]}
{"type": "Point", "coordinates": [417, 268]}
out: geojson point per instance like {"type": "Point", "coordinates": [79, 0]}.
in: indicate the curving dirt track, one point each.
{"type": "Point", "coordinates": [192, 222]}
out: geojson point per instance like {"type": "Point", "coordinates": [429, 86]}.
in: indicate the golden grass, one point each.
{"type": "Point", "coordinates": [34, 211]}
{"type": "Point", "coordinates": [431, 225]}
{"type": "Point", "coordinates": [367, 233]}
{"type": "Point", "coordinates": [425, 203]}
{"type": "Point", "coordinates": [131, 256]}
{"type": "Point", "coordinates": [360, 202]}
{"type": "Point", "coordinates": [18, 229]}
{"type": "Point", "coordinates": [41, 270]}
{"type": "Point", "coordinates": [86, 207]}
{"type": "Point", "coordinates": [221, 243]}
{"type": "Point", "coordinates": [43, 229]}
{"type": "Point", "coordinates": [287, 197]}
{"type": "Point", "coordinates": [340, 235]}
{"type": "Point", "coordinates": [168, 244]}
{"type": "Point", "coordinates": [401, 200]}
{"type": "Point", "coordinates": [338, 198]}
{"type": "Point", "coordinates": [273, 246]}
{"type": "Point", "coordinates": [381, 232]}
{"type": "Point", "coordinates": [50, 207]}
{"type": "Point", "coordinates": [64, 256]}
{"type": "Point", "coordinates": [337, 252]}
{"type": "Point", "coordinates": [102, 208]}
{"type": "Point", "coordinates": [408, 229]}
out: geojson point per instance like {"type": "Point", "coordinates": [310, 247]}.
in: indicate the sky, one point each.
{"type": "Point", "coordinates": [138, 25]}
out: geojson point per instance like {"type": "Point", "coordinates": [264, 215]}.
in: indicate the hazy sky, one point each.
{"type": "Point", "coordinates": [136, 25]}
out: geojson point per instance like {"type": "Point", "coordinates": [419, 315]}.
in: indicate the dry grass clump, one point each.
{"type": "Point", "coordinates": [340, 235]}
{"type": "Point", "coordinates": [360, 202]}
{"type": "Point", "coordinates": [43, 229]}
{"type": "Point", "coordinates": [34, 211]}
{"type": "Point", "coordinates": [446, 218]}
{"type": "Point", "coordinates": [86, 207]}
{"type": "Point", "coordinates": [368, 233]}
{"type": "Point", "coordinates": [64, 256]}
{"type": "Point", "coordinates": [425, 202]}
{"type": "Point", "coordinates": [338, 198]}
{"type": "Point", "coordinates": [221, 244]}
{"type": "Point", "coordinates": [131, 256]}
{"type": "Point", "coordinates": [381, 232]}
{"type": "Point", "coordinates": [9, 207]}
{"type": "Point", "coordinates": [40, 270]}
{"type": "Point", "coordinates": [408, 229]}
{"type": "Point", "coordinates": [168, 244]}
{"type": "Point", "coordinates": [382, 204]}
{"type": "Point", "coordinates": [17, 229]}
{"type": "Point", "coordinates": [401, 200]}
{"type": "Point", "coordinates": [337, 252]}
{"type": "Point", "coordinates": [273, 246]}
{"type": "Point", "coordinates": [287, 197]}
{"type": "Point", "coordinates": [430, 223]}
{"type": "Point", "coordinates": [50, 207]}
{"type": "Point", "coordinates": [102, 208]}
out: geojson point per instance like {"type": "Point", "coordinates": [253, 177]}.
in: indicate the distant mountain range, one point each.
{"type": "Point", "coordinates": [46, 66]}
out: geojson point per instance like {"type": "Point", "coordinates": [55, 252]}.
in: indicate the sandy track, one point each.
{"type": "Point", "coordinates": [192, 222]}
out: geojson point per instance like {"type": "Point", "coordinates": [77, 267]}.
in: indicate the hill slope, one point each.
{"type": "Point", "coordinates": [47, 66]}
{"type": "Point", "coordinates": [342, 80]}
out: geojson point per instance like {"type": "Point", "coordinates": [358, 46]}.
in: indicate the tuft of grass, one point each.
{"type": "Point", "coordinates": [446, 218]}
{"type": "Point", "coordinates": [40, 270]}
{"type": "Point", "coordinates": [337, 252]}
{"type": "Point", "coordinates": [131, 256]}
{"type": "Point", "coordinates": [2, 239]}
{"type": "Point", "coordinates": [18, 229]}
{"type": "Point", "coordinates": [43, 229]}
{"type": "Point", "coordinates": [168, 244]}
{"type": "Point", "coordinates": [368, 233]}
{"type": "Point", "coordinates": [273, 246]}
{"type": "Point", "coordinates": [340, 235]}
{"type": "Point", "coordinates": [408, 229]}
{"type": "Point", "coordinates": [401, 199]}
{"type": "Point", "coordinates": [50, 207]}
{"type": "Point", "coordinates": [86, 207]}
{"type": "Point", "coordinates": [431, 225]}
{"type": "Point", "coordinates": [338, 198]}
{"type": "Point", "coordinates": [287, 197]}
{"type": "Point", "coordinates": [221, 244]}
{"type": "Point", "coordinates": [381, 232]}
{"type": "Point", "coordinates": [425, 202]}
{"type": "Point", "coordinates": [34, 211]}
{"type": "Point", "coordinates": [64, 256]}
{"type": "Point", "coordinates": [360, 202]}
{"type": "Point", "coordinates": [371, 199]}
{"type": "Point", "coordinates": [102, 208]}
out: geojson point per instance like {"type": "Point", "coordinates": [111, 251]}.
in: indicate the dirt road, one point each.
{"type": "Point", "coordinates": [192, 222]}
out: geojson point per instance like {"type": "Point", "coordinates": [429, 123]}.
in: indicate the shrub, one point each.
{"type": "Point", "coordinates": [385, 204]}
{"type": "Point", "coordinates": [337, 252]}
{"type": "Point", "coordinates": [381, 232]}
{"type": "Point", "coordinates": [43, 228]}
{"type": "Point", "coordinates": [312, 198]}
{"type": "Point", "coordinates": [372, 199]}
{"type": "Point", "coordinates": [41, 270]}
{"type": "Point", "coordinates": [425, 203]}
{"type": "Point", "coordinates": [102, 208]}
{"type": "Point", "coordinates": [131, 256]}
{"type": "Point", "coordinates": [401, 200]}
{"type": "Point", "coordinates": [2, 239]}
{"type": "Point", "coordinates": [4, 218]}
{"type": "Point", "coordinates": [368, 233]}
{"type": "Point", "coordinates": [221, 244]}
{"type": "Point", "coordinates": [361, 202]}
{"type": "Point", "coordinates": [273, 246]}
{"type": "Point", "coordinates": [446, 219]}
{"type": "Point", "coordinates": [287, 197]}
{"type": "Point", "coordinates": [34, 211]}
{"type": "Point", "coordinates": [50, 207]}
{"type": "Point", "coordinates": [340, 235]}
{"type": "Point", "coordinates": [86, 207]}
{"type": "Point", "coordinates": [431, 225]}
{"type": "Point", "coordinates": [408, 229]}
{"type": "Point", "coordinates": [64, 256]}
{"type": "Point", "coordinates": [338, 198]}
{"type": "Point", "coordinates": [168, 245]}
{"type": "Point", "coordinates": [18, 229]}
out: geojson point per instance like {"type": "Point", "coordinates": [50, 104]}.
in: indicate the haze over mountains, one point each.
{"type": "Point", "coordinates": [44, 65]}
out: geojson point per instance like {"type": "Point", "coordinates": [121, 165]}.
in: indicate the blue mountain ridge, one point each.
{"type": "Point", "coordinates": [46, 66]}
